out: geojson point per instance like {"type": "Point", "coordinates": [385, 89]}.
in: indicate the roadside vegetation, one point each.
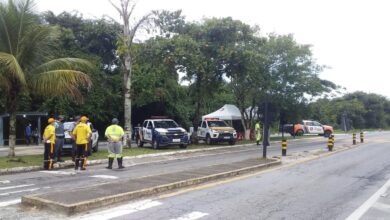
{"type": "Point", "coordinates": [184, 70]}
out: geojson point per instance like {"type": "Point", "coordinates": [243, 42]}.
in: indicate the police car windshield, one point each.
{"type": "Point", "coordinates": [165, 124]}
{"type": "Point", "coordinates": [217, 124]}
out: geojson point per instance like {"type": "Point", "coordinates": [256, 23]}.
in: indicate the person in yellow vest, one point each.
{"type": "Point", "coordinates": [258, 132]}
{"type": "Point", "coordinates": [81, 134]}
{"type": "Point", "coordinates": [114, 134]}
{"type": "Point", "coordinates": [49, 140]}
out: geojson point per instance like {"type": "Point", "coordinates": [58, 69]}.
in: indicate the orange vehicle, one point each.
{"type": "Point", "coordinates": [308, 127]}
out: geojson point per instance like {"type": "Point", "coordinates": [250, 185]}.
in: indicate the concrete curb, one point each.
{"type": "Point", "coordinates": [69, 164]}
{"type": "Point", "coordinates": [72, 209]}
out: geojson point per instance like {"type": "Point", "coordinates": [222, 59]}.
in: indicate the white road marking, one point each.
{"type": "Point", "coordinates": [14, 192]}
{"type": "Point", "coordinates": [105, 177]}
{"type": "Point", "coordinates": [14, 187]}
{"type": "Point", "coordinates": [358, 213]}
{"type": "Point", "coordinates": [121, 210]}
{"type": "Point", "coordinates": [382, 207]}
{"type": "Point", "coordinates": [58, 172]}
{"type": "Point", "coordinates": [4, 181]}
{"type": "Point", "coordinates": [11, 202]}
{"type": "Point", "coordinates": [192, 216]}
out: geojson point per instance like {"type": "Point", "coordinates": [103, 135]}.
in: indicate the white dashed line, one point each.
{"type": "Point", "coordinates": [4, 181]}
{"type": "Point", "coordinates": [14, 187]}
{"type": "Point", "coordinates": [11, 202]}
{"type": "Point", "coordinates": [121, 210]}
{"type": "Point", "coordinates": [358, 213]}
{"type": "Point", "coordinates": [58, 172]}
{"type": "Point", "coordinates": [105, 177]}
{"type": "Point", "coordinates": [192, 216]}
{"type": "Point", "coordinates": [14, 192]}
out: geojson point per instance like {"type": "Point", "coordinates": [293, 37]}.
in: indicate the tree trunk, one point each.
{"type": "Point", "coordinates": [12, 134]}
{"type": "Point", "coordinates": [127, 101]}
{"type": "Point", "coordinates": [12, 123]}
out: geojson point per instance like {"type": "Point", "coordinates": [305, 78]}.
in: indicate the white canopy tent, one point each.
{"type": "Point", "coordinates": [227, 113]}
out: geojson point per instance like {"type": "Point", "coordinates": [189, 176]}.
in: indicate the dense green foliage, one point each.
{"type": "Point", "coordinates": [27, 65]}
{"type": "Point", "coordinates": [188, 69]}
{"type": "Point", "coordinates": [356, 110]}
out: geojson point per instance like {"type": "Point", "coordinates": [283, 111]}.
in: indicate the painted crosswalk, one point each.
{"type": "Point", "coordinates": [59, 172]}
{"type": "Point", "coordinates": [19, 191]}
{"type": "Point", "coordinates": [15, 187]}
{"type": "Point", "coordinates": [121, 210]}
{"type": "Point", "coordinates": [10, 202]}
{"type": "Point", "coordinates": [105, 177]}
{"type": "Point", "coordinates": [192, 216]}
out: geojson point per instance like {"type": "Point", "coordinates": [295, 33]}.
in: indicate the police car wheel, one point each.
{"type": "Point", "coordinates": [183, 146]}
{"type": "Point", "coordinates": [208, 140]}
{"type": "Point", "coordinates": [299, 133]}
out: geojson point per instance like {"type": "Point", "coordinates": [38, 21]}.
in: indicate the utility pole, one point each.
{"type": "Point", "coordinates": [265, 130]}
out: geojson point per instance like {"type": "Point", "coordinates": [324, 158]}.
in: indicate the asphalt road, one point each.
{"type": "Point", "coordinates": [328, 188]}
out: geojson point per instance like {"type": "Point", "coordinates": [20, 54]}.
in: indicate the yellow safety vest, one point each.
{"type": "Point", "coordinates": [257, 129]}
{"type": "Point", "coordinates": [114, 132]}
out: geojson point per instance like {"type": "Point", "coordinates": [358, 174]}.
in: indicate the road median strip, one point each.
{"type": "Point", "coordinates": [69, 163]}
{"type": "Point", "coordinates": [106, 194]}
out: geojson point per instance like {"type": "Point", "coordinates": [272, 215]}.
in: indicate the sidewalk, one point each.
{"type": "Point", "coordinates": [22, 150]}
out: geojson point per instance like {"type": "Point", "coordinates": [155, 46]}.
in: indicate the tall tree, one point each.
{"type": "Point", "coordinates": [291, 76]}
{"type": "Point", "coordinates": [25, 63]}
{"type": "Point", "coordinates": [130, 28]}
{"type": "Point", "coordinates": [94, 40]}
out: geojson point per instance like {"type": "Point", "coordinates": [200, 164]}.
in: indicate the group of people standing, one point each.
{"type": "Point", "coordinates": [53, 139]}
{"type": "Point", "coordinates": [54, 135]}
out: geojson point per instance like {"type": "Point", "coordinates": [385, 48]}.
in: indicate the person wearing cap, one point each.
{"type": "Point", "coordinates": [81, 134]}
{"type": "Point", "coordinates": [258, 132]}
{"type": "Point", "coordinates": [49, 139]}
{"type": "Point", "coordinates": [114, 134]}
{"type": "Point", "coordinates": [60, 137]}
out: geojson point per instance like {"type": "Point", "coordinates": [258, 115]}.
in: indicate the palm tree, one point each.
{"type": "Point", "coordinates": [27, 65]}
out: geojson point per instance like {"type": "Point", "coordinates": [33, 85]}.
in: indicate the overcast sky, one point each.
{"type": "Point", "coordinates": [350, 36]}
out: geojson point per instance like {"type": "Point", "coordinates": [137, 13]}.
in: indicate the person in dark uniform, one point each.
{"type": "Point", "coordinates": [60, 138]}
{"type": "Point", "coordinates": [28, 134]}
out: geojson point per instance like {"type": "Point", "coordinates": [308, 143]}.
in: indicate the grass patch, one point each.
{"type": "Point", "coordinates": [37, 160]}
{"type": "Point", "coordinates": [22, 161]}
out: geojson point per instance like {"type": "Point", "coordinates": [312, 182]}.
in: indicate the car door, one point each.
{"type": "Point", "coordinates": [318, 128]}
{"type": "Point", "coordinates": [310, 127]}
{"type": "Point", "coordinates": [202, 130]}
{"type": "Point", "coordinates": [314, 127]}
{"type": "Point", "coordinates": [144, 129]}
{"type": "Point", "coordinates": [148, 132]}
